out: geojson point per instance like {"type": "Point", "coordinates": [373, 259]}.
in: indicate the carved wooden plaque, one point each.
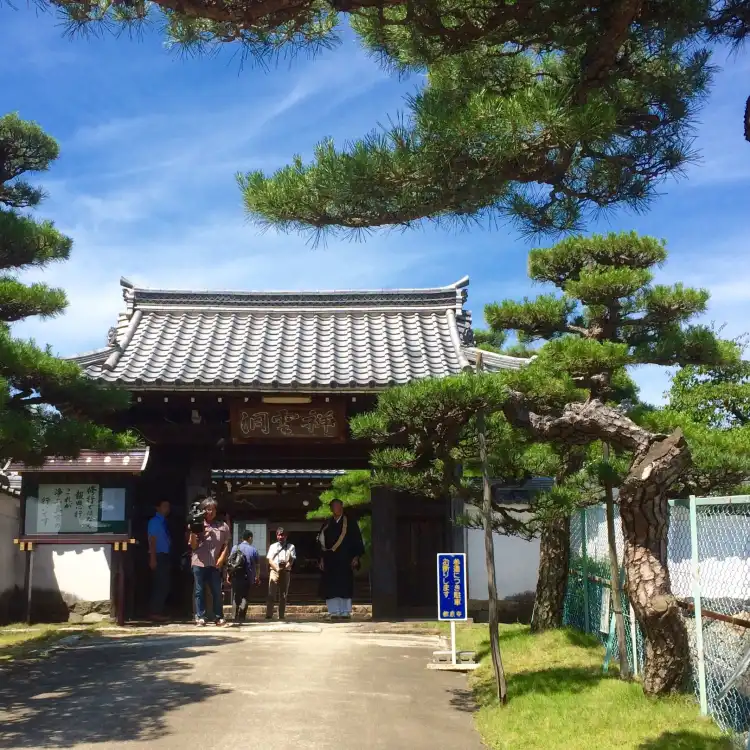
{"type": "Point", "coordinates": [288, 421]}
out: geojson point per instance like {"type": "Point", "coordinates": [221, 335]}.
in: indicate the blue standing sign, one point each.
{"type": "Point", "coordinates": [451, 582]}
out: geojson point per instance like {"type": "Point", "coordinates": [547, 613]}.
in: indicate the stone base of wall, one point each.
{"type": "Point", "coordinates": [54, 606]}
{"type": "Point", "coordinates": [11, 605]}
{"type": "Point", "coordinates": [513, 609]}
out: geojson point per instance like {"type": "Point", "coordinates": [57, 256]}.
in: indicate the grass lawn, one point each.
{"type": "Point", "coordinates": [560, 700]}
{"type": "Point", "coordinates": [21, 641]}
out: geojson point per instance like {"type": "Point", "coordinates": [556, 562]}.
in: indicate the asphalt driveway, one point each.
{"type": "Point", "coordinates": [257, 688]}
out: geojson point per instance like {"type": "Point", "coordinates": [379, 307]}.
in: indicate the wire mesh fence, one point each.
{"type": "Point", "coordinates": [709, 566]}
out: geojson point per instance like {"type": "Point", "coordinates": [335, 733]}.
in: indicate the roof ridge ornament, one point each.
{"type": "Point", "coordinates": [462, 283]}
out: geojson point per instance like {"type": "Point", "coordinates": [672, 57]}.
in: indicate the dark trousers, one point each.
{"type": "Point", "coordinates": [210, 577]}
{"type": "Point", "coordinates": [160, 584]}
{"type": "Point", "coordinates": [240, 594]}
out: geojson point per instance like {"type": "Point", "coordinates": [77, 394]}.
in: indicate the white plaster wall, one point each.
{"type": "Point", "coordinates": [723, 547]}
{"type": "Point", "coordinates": [11, 560]}
{"type": "Point", "coordinates": [516, 565]}
{"type": "Point", "coordinates": [78, 572]}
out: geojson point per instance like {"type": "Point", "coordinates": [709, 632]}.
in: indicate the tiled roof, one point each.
{"type": "Point", "coordinates": [133, 461]}
{"type": "Point", "coordinates": [494, 362]}
{"type": "Point", "coordinates": [274, 474]}
{"type": "Point", "coordinates": [276, 341]}
{"type": "Point", "coordinates": [10, 481]}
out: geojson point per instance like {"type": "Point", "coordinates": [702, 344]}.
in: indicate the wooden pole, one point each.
{"type": "Point", "coordinates": [614, 573]}
{"type": "Point", "coordinates": [120, 588]}
{"type": "Point", "coordinates": [29, 580]}
{"type": "Point", "coordinates": [489, 554]}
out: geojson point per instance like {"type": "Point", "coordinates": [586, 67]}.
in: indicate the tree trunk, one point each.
{"type": "Point", "coordinates": [644, 510]}
{"type": "Point", "coordinates": [554, 554]}
{"type": "Point", "coordinates": [658, 462]}
{"type": "Point", "coordinates": [489, 558]}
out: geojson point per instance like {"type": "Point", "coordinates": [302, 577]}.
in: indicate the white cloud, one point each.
{"type": "Point", "coordinates": [153, 197]}
{"type": "Point", "coordinates": [223, 252]}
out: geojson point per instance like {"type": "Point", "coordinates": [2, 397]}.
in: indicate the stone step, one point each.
{"type": "Point", "coordinates": [304, 611]}
{"type": "Point", "coordinates": [462, 657]}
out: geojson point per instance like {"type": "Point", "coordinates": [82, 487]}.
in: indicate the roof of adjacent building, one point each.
{"type": "Point", "coordinates": [293, 341]}
{"type": "Point", "coordinates": [10, 481]}
{"type": "Point", "coordinates": [277, 474]}
{"type": "Point", "coordinates": [130, 462]}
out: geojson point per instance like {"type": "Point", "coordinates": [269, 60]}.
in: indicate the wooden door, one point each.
{"type": "Point", "coordinates": [419, 542]}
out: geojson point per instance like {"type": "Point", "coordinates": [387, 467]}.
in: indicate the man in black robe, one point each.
{"type": "Point", "coordinates": [341, 547]}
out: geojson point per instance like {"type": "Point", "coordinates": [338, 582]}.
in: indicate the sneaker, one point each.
{"type": "Point", "coordinates": [220, 622]}
{"type": "Point", "coordinates": [200, 622]}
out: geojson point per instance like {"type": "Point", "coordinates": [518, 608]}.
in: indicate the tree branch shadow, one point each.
{"type": "Point", "coordinates": [686, 740]}
{"type": "Point", "coordinates": [113, 690]}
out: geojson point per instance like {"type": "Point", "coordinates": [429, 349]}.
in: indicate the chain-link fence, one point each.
{"type": "Point", "coordinates": [709, 566]}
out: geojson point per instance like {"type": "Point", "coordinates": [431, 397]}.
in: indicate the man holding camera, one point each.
{"type": "Point", "coordinates": [210, 547]}
{"type": "Point", "coordinates": [281, 557]}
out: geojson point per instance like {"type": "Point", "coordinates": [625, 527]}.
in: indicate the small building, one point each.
{"type": "Point", "coordinates": [249, 394]}
{"type": "Point", "coordinates": [75, 521]}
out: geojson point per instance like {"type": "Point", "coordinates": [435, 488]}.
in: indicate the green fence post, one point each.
{"type": "Point", "coordinates": [585, 572]}
{"type": "Point", "coordinates": [697, 605]}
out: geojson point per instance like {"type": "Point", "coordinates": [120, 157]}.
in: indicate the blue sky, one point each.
{"type": "Point", "coordinates": [151, 141]}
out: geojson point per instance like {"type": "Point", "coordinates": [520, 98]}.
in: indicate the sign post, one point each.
{"type": "Point", "coordinates": [452, 595]}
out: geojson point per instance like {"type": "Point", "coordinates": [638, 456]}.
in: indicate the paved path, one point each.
{"type": "Point", "coordinates": [274, 689]}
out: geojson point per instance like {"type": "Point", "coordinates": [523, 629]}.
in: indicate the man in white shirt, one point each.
{"type": "Point", "coordinates": [281, 557]}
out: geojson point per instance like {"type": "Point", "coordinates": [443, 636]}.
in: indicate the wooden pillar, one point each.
{"type": "Point", "coordinates": [29, 580]}
{"type": "Point", "coordinates": [384, 574]}
{"type": "Point", "coordinates": [120, 587]}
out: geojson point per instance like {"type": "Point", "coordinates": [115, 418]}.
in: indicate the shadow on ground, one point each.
{"type": "Point", "coordinates": [506, 637]}
{"type": "Point", "coordinates": [463, 700]}
{"type": "Point", "coordinates": [686, 741]}
{"type": "Point", "coordinates": [16, 649]}
{"type": "Point", "coordinates": [121, 691]}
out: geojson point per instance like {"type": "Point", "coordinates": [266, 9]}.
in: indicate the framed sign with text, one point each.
{"type": "Point", "coordinates": [279, 422]}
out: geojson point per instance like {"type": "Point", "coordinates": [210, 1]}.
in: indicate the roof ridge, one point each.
{"type": "Point", "coordinates": [452, 294]}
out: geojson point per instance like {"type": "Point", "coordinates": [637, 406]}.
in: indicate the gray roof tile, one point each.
{"type": "Point", "coordinates": [286, 340]}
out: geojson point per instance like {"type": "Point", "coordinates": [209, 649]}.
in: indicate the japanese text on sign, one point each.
{"type": "Point", "coordinates": [452, 598]}
{"type": "Point", "coordinates": [63, 508]}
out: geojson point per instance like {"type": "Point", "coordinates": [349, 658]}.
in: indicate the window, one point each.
{"type": "Point", "coordinates": [259, 535]}
{"type": "Point", "coordinates": [76, 509]}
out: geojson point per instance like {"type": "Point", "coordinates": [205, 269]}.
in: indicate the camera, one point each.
{"type": "Point", "coordinates": [196, 517]}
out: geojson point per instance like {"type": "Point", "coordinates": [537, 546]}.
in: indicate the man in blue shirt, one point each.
{"type": "Point", "coordinates": [159, 547]}
{"type": "Point", "coordinates": [242, 580]}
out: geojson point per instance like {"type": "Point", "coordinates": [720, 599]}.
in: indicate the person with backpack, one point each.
{"type": "Point", "coordinates": [243, 571]}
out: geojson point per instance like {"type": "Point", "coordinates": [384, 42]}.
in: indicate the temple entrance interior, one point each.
{"type": "Point", "coordinates": [262, 501]}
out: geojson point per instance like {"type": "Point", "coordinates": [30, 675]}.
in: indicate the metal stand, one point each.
{"type": "Point", "coordinates": [453, 642]}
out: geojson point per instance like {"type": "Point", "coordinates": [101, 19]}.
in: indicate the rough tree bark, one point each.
{"type": "Point", "coordinates": [644, 511]}
{"type": "Point", "coordinates": [554, 558]}
{"type": "Point", "coordinates": [554, 553]}
{"type": "Point", "coordinates": [658, 461]}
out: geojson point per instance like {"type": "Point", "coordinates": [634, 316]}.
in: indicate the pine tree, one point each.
{"type": "Point", "coordinates": [607, 315]}
{"type": "Point", "coordinates": [717, 396]}
{"type": "Point", "coordinates": [603, 42]}
{"type": "Point", "coordinates": [47, 406]}
{"type": "Point", "coordinates": [444, 439]}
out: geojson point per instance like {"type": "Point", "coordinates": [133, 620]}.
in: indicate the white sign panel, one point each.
{"type": "Point", "coordinates": [64, 509]}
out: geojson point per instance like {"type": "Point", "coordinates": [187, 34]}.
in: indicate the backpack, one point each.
{"type": "Point", "coordinates": [237, 563]}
